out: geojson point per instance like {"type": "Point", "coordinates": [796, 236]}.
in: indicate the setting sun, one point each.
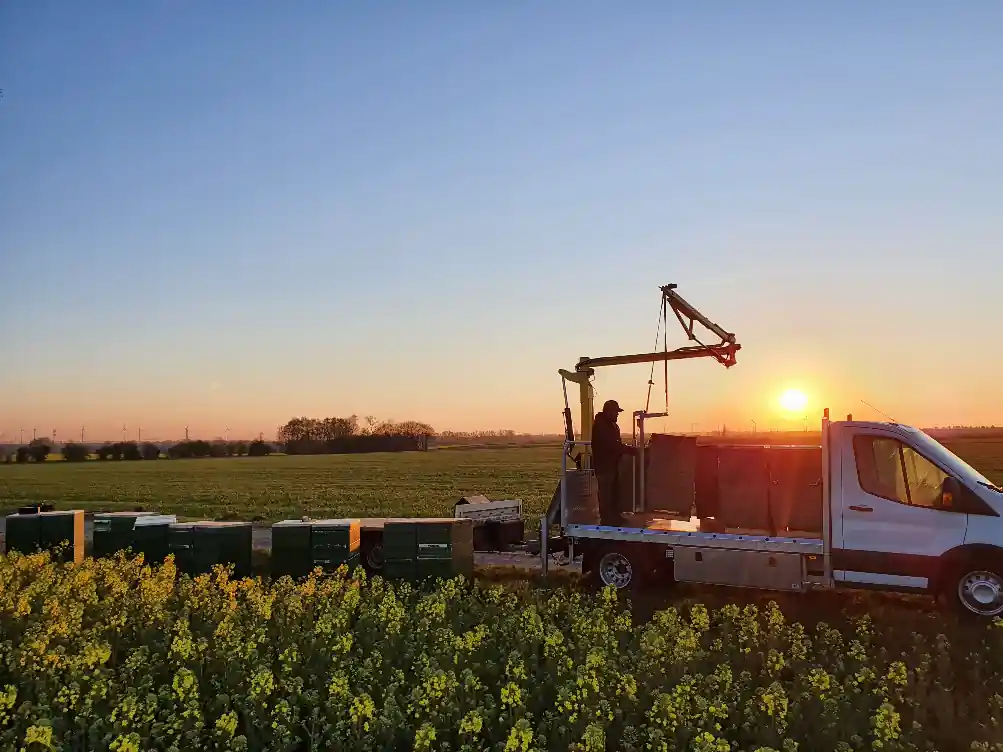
{"type": "Point", "coordinates": [793, 400]}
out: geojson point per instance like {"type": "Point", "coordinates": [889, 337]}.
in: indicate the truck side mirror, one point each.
{"type": "Point", "coordinates": [950, 493]}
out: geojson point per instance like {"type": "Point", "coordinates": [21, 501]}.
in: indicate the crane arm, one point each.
{"type": "Point", "coordinates": [725, 352]}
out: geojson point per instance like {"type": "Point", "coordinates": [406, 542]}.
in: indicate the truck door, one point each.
{"type": "Point", "coordinates": [895, 524]}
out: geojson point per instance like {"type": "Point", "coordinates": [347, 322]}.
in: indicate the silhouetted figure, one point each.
{"type": "Point", "coordinates": [607, 449]}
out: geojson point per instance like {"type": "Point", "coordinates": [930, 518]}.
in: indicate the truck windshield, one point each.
{"type": "Point", "coordinates": [937, 451]}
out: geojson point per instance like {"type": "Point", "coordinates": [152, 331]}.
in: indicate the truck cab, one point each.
{"type": "Point", "coordinates": [908, 514]}
{"type": "Point", "coordinates": [896, 510]}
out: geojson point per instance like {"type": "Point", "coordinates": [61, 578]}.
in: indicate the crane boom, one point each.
{"type": "Point", "coordinates": [724, 351]}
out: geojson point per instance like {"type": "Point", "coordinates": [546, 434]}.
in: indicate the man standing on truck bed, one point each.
{"type": "Point", "coordinates": [607, 449]}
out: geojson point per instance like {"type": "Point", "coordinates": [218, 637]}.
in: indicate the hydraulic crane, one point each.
{"type": "Point", "coordinates": [724, 351]}
{"type": "Point", "coordinates": [579, 448]}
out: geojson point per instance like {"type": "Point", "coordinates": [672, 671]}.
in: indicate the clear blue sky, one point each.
{"type": "Point", "coordinates": [230, 213]}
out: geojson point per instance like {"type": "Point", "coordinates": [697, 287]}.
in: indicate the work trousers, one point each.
{"type": "Point", "coordinates": [609, 501]}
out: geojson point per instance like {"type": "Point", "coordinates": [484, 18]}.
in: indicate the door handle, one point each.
{"type": "Point", "coordinates": [859, 508]}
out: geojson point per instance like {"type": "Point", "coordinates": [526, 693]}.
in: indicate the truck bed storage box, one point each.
{"type": "Point", "coordinates": [198, 546]}
{"type": "Point", "coordinates": [722, 566]}
{"type": "Point", "coordinates": [144, 533]}
{"type": "Point", "coordinates": [744, 487]}
{"type": "Point", "coordinates": [796, 488]}
{"type": "Point", "coordinates": [670, 474]}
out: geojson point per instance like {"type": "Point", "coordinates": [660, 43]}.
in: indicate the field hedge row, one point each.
{"type": "Point", "coordinates": [114, 655]}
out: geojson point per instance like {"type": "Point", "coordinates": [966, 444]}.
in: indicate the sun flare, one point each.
{"type": "Point", "coordinates": [793, 400]}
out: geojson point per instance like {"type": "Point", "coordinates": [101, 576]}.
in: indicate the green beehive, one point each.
{"type": "Point", "coordinates": [300, 545]}
{"type": "Point", "coordinates": [400, 540]}
{"type": "Point", "coordinates": [181, 543]}
{"type": "Point", "coordinates": [64, 528]}
{"type": "Point", "coordinates": [422, 549]}
{"type": "Point", "coordinates": [400, 569]}
{"type": "Point", "coordinates": [198, 546]}
{"type": "Point", "coordinates": [291, 552]}
{"type": "Point", "coordinates": [22, 533]}
{"type": "Point", "coordinates": [142, 532]}
{"type": "Point", "coordinates": [335, 542]}
{"type": "Point", "coordinates": [45, 531]}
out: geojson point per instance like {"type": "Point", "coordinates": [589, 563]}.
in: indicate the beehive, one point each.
{"type": "Point", "coordinates": [335, 542]}
{"type": "Point", "coordinates": [22, 533]}
{"type": "Point", "coordinates": [45, 531]}
{"type": "Point", "coordinates": [291, 549]}
{"type": "Point", "coordinates": [147, 533]}
{"type": "Point", "coordinates": [428, 548]}
{"type": "Point", "coordinates": [198, 546]}
{"type": "Point", "coordinates": [300, 545]}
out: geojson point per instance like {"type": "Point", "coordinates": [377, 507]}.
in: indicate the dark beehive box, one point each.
{"type": "Point", "coordinates": [438, 547]}
{"type": "Point", "coordinates": [22, 533]}
{"type": "Point", "coordinates": [45, 531]}
{"type": "Point", "coordinates": [335, 542]}
{"type": "Point", "coordinates": [198, 546]}
{"type": "Point", "coordinates": [300, 545]}
{"type": "Point", "coordinates": [291, 552]}
{"type": "Point", "coordinates": [62, 528]}
{"type": "Point", "coordinates": [142, 532]}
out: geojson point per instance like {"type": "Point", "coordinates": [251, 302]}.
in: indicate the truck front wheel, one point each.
{"type": "Point", "coordinates": [979, 591]}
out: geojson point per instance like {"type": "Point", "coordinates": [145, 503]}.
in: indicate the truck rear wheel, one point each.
{"type": "Point", "coordinates": [615, 568]}
{"type": "Point", "coordinates": [624, 566]}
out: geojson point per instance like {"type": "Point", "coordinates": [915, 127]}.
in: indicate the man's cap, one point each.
{"type": "Point", "coordinates": [612, 405]}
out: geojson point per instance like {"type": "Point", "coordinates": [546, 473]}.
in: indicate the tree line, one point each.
{"type": "Point", "coordinates": [40, 449]}
{"type": "Point", "coordinates": [346, 436]}
{"type": "Point", "coordinates": [298, 436]}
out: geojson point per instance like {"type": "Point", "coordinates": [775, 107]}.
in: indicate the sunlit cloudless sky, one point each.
{"type": "Point", "coordinates": [226, 214]}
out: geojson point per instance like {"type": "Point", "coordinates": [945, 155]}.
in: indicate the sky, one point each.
{"type": "Point", "coordinates": [222, 215]}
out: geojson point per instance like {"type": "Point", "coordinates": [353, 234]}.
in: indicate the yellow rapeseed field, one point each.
{"type": "Point", "coordinates": [114, 655]}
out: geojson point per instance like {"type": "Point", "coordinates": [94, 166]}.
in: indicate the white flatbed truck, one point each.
{"type": "Point", "coordinates": [898, 511]}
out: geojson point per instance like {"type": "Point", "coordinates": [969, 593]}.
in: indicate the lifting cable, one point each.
{"type": "Point", "coordinates": [663, 329]}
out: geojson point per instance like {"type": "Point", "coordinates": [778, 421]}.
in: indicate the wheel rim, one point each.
{"type": "Point", "coordinates": [615, 570]}
{"type": "Point", "coordinates": [981, 593]}
{"type": "Point", "coordinates": [374, 557]}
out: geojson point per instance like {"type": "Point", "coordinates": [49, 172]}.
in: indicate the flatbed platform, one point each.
{"type": "Point", "coordinates": [692, 532]}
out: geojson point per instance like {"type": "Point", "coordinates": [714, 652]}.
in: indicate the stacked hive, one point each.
{"type": "Point", "coordinates": [144, 533]}
{"type": "Point", "coordinates": [418, 549]}
{"type": "Point", "coordinates": [198, 546]}
{"type": "Point", "coordinates": [45, 531]}
{"type": "Point", "coordinates": [300, 545]}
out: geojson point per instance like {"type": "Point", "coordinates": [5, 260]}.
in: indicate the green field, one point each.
{"type": "Point", "coordinates": [274, 488]}
{"type": "Point", "coordinates": [376, 485]}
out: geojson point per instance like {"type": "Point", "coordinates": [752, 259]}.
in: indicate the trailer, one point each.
{"type": "Point", "coordinates": [876, 505]}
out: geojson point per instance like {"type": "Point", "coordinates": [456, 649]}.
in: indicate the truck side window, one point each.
{"type": "Point", "coordinates": [890, 469]}
{"type": "Point", "coordinates": [879, 467]}
{"type": "Point", "coordinates": [926, 480]}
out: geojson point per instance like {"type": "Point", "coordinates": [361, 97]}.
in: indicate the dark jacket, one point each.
{"type": "Point", "coordinates": [607, 447]}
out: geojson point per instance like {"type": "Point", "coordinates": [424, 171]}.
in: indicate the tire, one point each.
{"type": "Point", "coordinates": [626, 567]}
{"type": "Point", "coordinates": [976, 591]}
{"type": "Point", "coordinates": [373, 556]}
